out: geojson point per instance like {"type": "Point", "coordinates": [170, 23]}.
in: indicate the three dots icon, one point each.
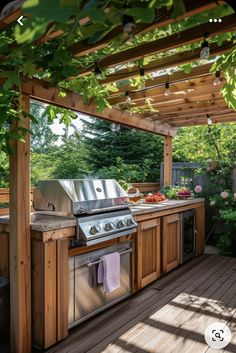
{"type": "Point", "coordinates": [215, 20]}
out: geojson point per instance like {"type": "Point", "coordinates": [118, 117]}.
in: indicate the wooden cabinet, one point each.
{"type": "Point", "coordinates": [170, 242]}
{"type": "Point", "coordinates": [148, 252]}
{"type": "Point", "coordinates": [200, 229]}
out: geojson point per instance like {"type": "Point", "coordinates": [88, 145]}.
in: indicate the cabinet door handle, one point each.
{"type": "Point", "coordinates": [173, 221]}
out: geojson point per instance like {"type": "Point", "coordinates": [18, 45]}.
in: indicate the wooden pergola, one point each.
{"type": "Point", "coordinates": [192, 97]}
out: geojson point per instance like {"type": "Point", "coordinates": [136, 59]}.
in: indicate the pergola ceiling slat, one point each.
{"type": "Point", "coordinates": [173, 78]}
{"type": "Point", "coordinates": [168, 62]}
{"type": "Point", "coordinates": [167, 43]}
{"type": "Point", "coordinates": [164, 18]}
{"type": "Point", "coordinates": [201, 120]}
{"type": "Point", "coordinates": [204, 84]}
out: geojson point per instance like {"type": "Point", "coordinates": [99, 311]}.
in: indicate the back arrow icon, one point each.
{"type": "Point", "coordinates": [20, 20]}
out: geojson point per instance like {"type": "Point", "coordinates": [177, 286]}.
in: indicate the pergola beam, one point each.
{"type": "Point", "coordinates": [163, 19]}
{"type": "Point", "coordinates": [167, 43]}
{"type": "Point", "coordinates": [40, 90]}
{"type": "Point", "coordinates": [168, 62]}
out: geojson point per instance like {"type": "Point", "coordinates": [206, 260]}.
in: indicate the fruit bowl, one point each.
{"type": "Point", "coordinates": [184, 196]}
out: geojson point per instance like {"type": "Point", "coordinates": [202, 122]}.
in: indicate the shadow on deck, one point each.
{"type": "Point", "coordinates": [170, 315]}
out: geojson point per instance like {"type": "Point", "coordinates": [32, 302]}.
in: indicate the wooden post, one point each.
{"type": "Point", "coordinates": [168, 161]}
{"type": "Point", "coordinates": [20, 258]}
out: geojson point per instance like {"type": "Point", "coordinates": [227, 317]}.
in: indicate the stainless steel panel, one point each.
{"type": "Point", "coordinates": [71, 309]}
{"type": "Point", "coordinates": [74, 196]}
{"type": "Point", "coordinates": [85, 300]}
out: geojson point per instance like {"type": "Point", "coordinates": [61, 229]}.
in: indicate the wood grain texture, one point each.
{"type": "Point", "coordinates": [172, 317]}
{"type": "Point", "coordinates": [20, 254]}
{"type": "Point", "coordinates": [42, 91]}
{"type": "Point", "coordinates": [4, 255]}
{"type": "Point", "coordinates": [200, 230]}
{"type": "Point", "coordinates": [170, 242]}
{"type": "Point", "coordinates": [148, 252]}
{"type": "Point", "coordinates": [168, 161]}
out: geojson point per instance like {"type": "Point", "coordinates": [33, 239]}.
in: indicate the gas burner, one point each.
{"type": "Point", "coordinates": [105, 226]}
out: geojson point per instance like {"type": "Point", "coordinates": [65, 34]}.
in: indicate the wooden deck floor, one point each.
{"type": "Point", "coordinates": [168, 316]}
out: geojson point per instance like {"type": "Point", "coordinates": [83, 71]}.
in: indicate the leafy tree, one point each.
{"type": "Point", "coordinates": [42, 137]}
{"type": "Point", "coordinates": [70, 159]}
{"type": "Point", "coordinates": [195, 143]}
{"type": "Point", "coordinates": [4, 170]}
{"type": "Point", "coordinates": [132, 147]}
{"type": "Point", "coordinates": [125, 173]}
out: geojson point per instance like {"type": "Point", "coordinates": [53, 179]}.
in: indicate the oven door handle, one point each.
{"type": "Point", "coordinates": [98, 261]}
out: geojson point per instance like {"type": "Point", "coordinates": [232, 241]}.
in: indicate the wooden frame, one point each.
{"type": "Point", "coordinates": [20, 240]}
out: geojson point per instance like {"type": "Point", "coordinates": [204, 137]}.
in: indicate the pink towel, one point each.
{"type": "Point", "coordinates": [109, 271]}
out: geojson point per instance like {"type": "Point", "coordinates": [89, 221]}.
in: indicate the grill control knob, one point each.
{"type": "Point", "coordinates": [109, 226]}
{"type": "Point", "coordinates": [94, 229]}
{"type": "Point", "coordinates": [129, 222]}
{"type": "Point", "coordinates": [120, 224]}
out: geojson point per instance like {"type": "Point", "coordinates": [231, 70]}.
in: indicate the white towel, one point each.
{"type": "Point", "coordinates": [109, 271]}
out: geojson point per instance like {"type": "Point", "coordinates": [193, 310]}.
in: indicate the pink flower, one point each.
{"type": "Point", "coordinates": [198, 188]}
{"type": "Point", "coordinates": [212, 203]}
{"type": "Point", "coordinates": [224, 194]}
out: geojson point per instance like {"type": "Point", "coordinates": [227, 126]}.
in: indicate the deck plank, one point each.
{"type": "Point", "coordinates": [170, 315]}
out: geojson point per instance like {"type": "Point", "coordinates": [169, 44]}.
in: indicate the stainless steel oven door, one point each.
{"type": "Point", "coordinates": [86, 297]}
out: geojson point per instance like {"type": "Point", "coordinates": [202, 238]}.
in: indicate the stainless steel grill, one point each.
{"type": "Point", "coordinates": [100, 206]}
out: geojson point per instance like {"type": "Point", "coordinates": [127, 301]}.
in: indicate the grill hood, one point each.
{"type": "Point", "coordinates": [77, 196]}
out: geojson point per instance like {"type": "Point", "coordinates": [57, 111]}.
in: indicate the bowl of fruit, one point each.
{"type": "Point", "coordinates": [184, 193]}
{"type": "Point", "coordinates": [155, 198]}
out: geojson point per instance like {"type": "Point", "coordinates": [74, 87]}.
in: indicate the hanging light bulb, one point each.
{"type": "Point", "coordinates": [127, 99]}
{"type": "Point", "coordinates": [205, 51]}
{"type": "Point", "coordinates": [97, 71]}
{"type": "Point", "coordinates": [142, 79]}
{"type": "Point", "coordinates": [167, 89]}
{"type": "Point", "coordinates": [128, 25]}
{"type": "Point", "coordinates": [217, 78]}
{"type": "Point", "coordinates": [113, 127]}
{"type": "Point", "coordinates": [209, 121]}
{"type": "Point", "coordinates": [117, 127]}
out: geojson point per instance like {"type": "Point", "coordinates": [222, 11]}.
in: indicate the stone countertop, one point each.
{"type": "Point", "coordinates": [45, 223]}
{"type": "Point", "coordinates": [143, 208]}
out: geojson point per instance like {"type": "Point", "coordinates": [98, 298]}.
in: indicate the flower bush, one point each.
{"type": "Point", "coordinates": [224, 205]}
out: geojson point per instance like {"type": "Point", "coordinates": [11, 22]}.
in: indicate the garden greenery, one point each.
{"type": "Point", "coordinates": [53, 61]}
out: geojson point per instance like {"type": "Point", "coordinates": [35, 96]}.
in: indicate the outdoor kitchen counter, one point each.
{"type": "Point", "coordinates": [144, 208]}
{"type": "Point", "coordinates": [45, 223]}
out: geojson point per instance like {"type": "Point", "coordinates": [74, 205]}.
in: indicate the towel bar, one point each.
{"type": "Point", "coordinates": [98, 261]}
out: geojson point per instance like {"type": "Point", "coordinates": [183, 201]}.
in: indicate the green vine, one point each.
{"type": "Point", "coordinates": [21, 55]}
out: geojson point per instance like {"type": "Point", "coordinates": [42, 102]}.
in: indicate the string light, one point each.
{"type": "Point", "coordinates": [97, 71]}
{"type": "Point", "coordinates": [217, 78]}
{"type": "Point", "coordinates": [128, 98]}
{"type": "Point", "coordinates": [128, 24]}
{"type": "Point", "coordinates": [115, 127]}
{"type": "Point", "coordinates": [167, 89]}
{"type": "Point", "coordinates": [209, 121]}
{"type": "Point", "coordinates": [142, 79]}
{"type": "Point", "coordinates": [205, 51]}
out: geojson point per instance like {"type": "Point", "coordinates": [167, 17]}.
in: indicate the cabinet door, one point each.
{"type": "Point", "coordinates": [148, 252]}
{"type": "Point", "coordinates": [200, 230]}
{"type": "Point", "coordinates": [171, 242]}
